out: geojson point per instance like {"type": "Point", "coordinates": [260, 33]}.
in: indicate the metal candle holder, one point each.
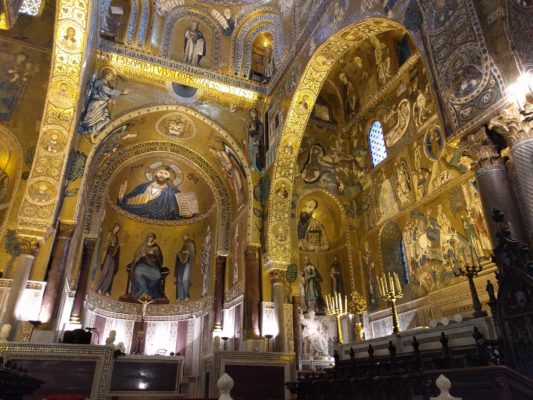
{"type": "Point", "coordinates": [335, 305]}
{"type": "Point", "coordinates": [391, 290]}
{"type": "Point", "coordinates": [470, 272]}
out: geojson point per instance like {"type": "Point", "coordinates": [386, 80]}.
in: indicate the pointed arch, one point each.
{"type": "Point", "coordinates": [180, 13]}
{"type": "Point", "coordinates": [93, 159]}
{"type": "Point", "coordinates": [301, 106]}
{"type": "Point", "coordinates": [267, 21]}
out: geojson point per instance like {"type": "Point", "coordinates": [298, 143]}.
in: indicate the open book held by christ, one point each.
{"type": "Point", "coordinates": [187, 203]}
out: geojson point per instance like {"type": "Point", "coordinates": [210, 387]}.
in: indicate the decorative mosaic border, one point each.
{"type": "Point", "coordinates": [179, 311]}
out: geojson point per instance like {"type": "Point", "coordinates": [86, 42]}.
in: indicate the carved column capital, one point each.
{"type": "Point", "coordinates": [66, 229]}
{"type": "Point", "coordinates": [89, 243]}
{"type": "Point", "coordinates": [482, 150]}
{"type": "Point", "coordinates": [252, 250]}
{"type": "Point", "coordinates": [277, 276]}
{"type": "Point", "coordinates": [29, 245]}
{"type": "Point", "coordinates": [513, 124]}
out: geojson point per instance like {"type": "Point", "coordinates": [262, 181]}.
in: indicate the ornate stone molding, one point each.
{"type": "Point", "coordinates": [513, 125]}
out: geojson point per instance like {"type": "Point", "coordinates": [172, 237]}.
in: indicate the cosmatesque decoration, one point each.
{"type": "Point", "coordinates": [299, 112]}
{"type": "Point", "coordinates": [40, 203]}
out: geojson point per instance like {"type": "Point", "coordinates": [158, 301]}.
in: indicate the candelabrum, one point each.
{"type": "Point", "coordinates": [390, 290]}
{"type": "Point", "coordinates": [356, 306]}
{"type": "Point", "coordinates": [470, 272]}
{"type": "Point", "coordinates": [337, 306]}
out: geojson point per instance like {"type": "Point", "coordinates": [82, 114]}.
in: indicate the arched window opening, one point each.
{"type": "Point", "coordinates": [376, 141]}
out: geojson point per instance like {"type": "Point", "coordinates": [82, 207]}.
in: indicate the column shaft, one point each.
{"type": "Point", "coordinates": [251, 293]}
{"type": "Point", "coordinates": [56, 274]}
{"type": "Point", "coordinates": [220, 274]}
{"type": "Point", "coordinates": [496, 192]}
{"type": "Point", "coordinates": [23, 265]}
{"type": "Point", "coordinates": [279, 297]}
{"type": "Point", "coordinates": [522, 158]}
{"type": "Point", "coordinates": [297, 327]}
{"type": "Point", "coordinates": [81, 288]}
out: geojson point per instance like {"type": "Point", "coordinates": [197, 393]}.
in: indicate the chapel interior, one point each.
{"type": "Point", "coordinates": [266, 199]}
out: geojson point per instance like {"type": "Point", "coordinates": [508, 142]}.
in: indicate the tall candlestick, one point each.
{"type": "Point", "coordinates": [391, 283]}
{"type": "Point", "coordinates": [397, 281]}
{"type": "Point", "coordinates": [345, 304]}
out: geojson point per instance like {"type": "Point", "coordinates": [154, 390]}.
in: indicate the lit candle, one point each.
{"type": "Point", "coordinates": [345, 304]}
{"type": "Point", "coordinates": [391, 283]}
{"type": "Point", "coordinates": [397, 281]}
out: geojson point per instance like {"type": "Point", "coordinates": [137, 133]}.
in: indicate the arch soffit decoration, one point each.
{"type": "Point", "coordinates": [93, 158]}
{"type": "Point", "coordinates": [344, 220]}
{"type": "Point", "coordinates": [303, 100]}
{"type": "Point", "coordinates": [180, 13]}
{"type": "Point", "coordinates": [264, 20]}
{"type": "Point", "coordinates": [120, 159]}
{"type": "Point", "coordinates": [6, 136]}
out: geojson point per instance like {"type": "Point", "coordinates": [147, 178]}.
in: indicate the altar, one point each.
{"type": "Point", "coordinates": [93, 372]}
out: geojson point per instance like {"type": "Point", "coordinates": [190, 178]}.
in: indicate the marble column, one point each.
{"type": "Point", "coordinates": [220, 274]}
{"type": "Point", "coordinates": [279, 297]}
{"type": "Point", "coordinates": [494, 185]}
{"type": "Point", "coordinates": [83, 280]}
{"type": "Point", "coordinates": [517, 129]}
{"type": "Point", "coordinates": [29, 249]}
{"type": "Point", "coordinates": [251, 292]}
{"type": "Point", "coordinates": [297, 327]}
{"type": "Point", "coordinates": [56, 275]}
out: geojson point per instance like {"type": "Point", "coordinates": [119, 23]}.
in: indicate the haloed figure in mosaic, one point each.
{"type": "Point", "coordinates": [154, 199]}
{"type": "Point", "coordinates": [109, 266]}
{"type": "Point", "coordinates": [194, 48]}
{"type": "Point", "coordinates": [146, 268]}
{"type": "Point", "coordinates": [184, 267]}
{"type": "Point", "coordinates": [96, 113]}
{"type": "Point", "coordinates": [313, 291]}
